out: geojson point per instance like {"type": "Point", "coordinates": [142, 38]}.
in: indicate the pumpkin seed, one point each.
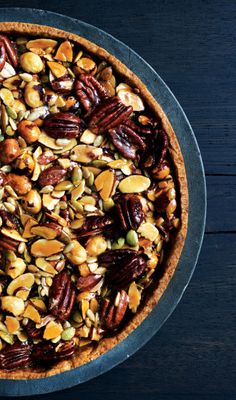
{"type": "Point", "coordinates": [132, 238]}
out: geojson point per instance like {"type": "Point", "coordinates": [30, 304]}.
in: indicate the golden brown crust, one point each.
{"type": "Point", "coordinates": [89, 353]}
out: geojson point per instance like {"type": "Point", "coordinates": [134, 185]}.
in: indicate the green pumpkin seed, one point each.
{"type": "Point", "coordinates": [132, 238]}
{"type": "Point", "coordinates": [118, 244]}
{"type": "Point", "coordinates": [7, 337]}
{"type": "Point", "coordinates": [68, 333]}
{"type": "Point", "coordinates": [12, 113]}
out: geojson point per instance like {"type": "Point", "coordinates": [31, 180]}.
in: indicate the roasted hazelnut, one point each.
{"type": "Point", "coordinates": [20, 183]}
{"type": "Point", "coordinates": [96, 245]}
{"type": "Point", "coordinates": [29, 131]}
{"type": "Point", "coordinates": [31, 62]}
{"type": "Point", "coordinates": [9, 151]}
{"type": "Point", "coordinates": [32, 202]}
{"type": "Point", "coordinates": [33, 94]}
{"type": "Point", "coordinates": [25, 163]}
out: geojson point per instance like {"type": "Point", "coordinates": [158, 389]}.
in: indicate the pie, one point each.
{"type": "Point", "coordinates": [94, 201]}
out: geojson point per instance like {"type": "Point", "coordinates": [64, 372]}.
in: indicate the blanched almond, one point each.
{"type": "Point", "coordinates": [57, 69]}
{"type": "Point", "coordinates": [46, 248]}
{"type": "Point", "coordinates": [134, 184]}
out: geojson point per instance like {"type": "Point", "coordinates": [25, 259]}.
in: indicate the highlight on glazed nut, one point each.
{"type": "Point", "coordinates": [88, 200]}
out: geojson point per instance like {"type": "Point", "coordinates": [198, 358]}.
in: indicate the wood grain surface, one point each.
{"type": "Point", "coordinates": [191, 44]}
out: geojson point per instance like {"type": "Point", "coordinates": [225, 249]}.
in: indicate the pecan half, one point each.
{"type": "Point", "coordinates": [89, 92]}
{"type": "Point", "coordinates": [107, 115]}
{"type": "Point", "coordinates": [51, 175]}
{"type": "Point", "coordinates": [157, 146]}
{"type": "Point", "coordinates": [111, 315]}
{"type": "Point", "coordinates": [94, 225]}
{"type": "Point", "coordinates": [85, 283]}
{"type": "Point", "coordinates": [126, 140]}
{"type": "Point", "coordinates": [15, 356]}
{"type": "Point", "coordinates": [62, 125]}
{"type": "Point", "coordinates": [129, 211]}
{"type": "Point", "coordinates": [10, 50]}
{"type": "Point", "coordinates": [2, 55]}
{"type": "Point", "coordinates": [10, 220]}
{"type": "Point", "coordinates": [123, 265]}
{"type": "Point", "coordinates": [7, 243]}
{"type": "Point", "coordinates": [61, 296]}
{"type": "Point", "coordinates": [45, 352]}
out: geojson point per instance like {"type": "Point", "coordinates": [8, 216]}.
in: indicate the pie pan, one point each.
{"type": "Point", "coordinates": [196, 215]}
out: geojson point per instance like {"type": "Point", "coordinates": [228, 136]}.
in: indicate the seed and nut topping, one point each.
{"type": "Point", "coordinates": [88, 200]}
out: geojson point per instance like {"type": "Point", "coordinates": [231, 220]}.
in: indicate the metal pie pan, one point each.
{"type": "Point", "coordinates": [197, 206]}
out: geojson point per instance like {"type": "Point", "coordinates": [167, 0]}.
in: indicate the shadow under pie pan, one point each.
{"type": "Point", "coordinates": [139, 332]}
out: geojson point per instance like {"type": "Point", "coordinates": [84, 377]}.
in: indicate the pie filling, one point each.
{"type": "Point", "coordinates": [88, 200]}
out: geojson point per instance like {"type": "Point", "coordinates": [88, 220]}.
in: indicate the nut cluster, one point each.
{"type": "Point", "coordinates": [88, 200]}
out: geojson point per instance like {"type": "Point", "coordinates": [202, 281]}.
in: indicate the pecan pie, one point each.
{"type": "Point", "coordinates": [94, 201]}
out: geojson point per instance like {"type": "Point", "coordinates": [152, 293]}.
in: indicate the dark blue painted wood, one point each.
{"type": "Point", "coordinates": [192, 46]}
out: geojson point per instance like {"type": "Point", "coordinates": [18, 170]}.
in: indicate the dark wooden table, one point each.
{"type": "Point", "coordinates": [191, 44]}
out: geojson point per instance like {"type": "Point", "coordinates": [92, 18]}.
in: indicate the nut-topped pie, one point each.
{"type": "Point", "coordinates": [93, 201]}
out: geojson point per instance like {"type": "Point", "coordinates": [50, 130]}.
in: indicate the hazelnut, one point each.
{"type": "Point", "coordinates": [31, 62]}
{"type": "Point", "coordinates": [32, 94]}
{"type": "Point", "coordinates": [25, 163]}
{"type": "Point", "coordinates": [20, 183]}
{"type": "Point", "coordinates": [32, 202]}
{"type": "Point", "coordinates": [77, 255]}
{"type": "Point", "coordinates": [9, 150]}
{"type": "Point", "coordinates": [96, 245]}
{"type": "Point", "coordinates": [29, 131]}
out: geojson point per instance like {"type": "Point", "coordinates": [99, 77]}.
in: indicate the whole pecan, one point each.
{"type": "Point", "coordinates": [123, 265]}
{"type": "Point", "coordinates": [61, 296]}
{"type": "Point", "coordinates": [157, 146]}
{"type": "Point", "coordinates": [15, 356]}
{"type": "Point", "coordinates": [2, 55]}
{"type": "Point", "coordinates": [10, 220]}
{"type": "Point", "coordinates": [45, 352]}
{"type": "Point", "coordinates": [51, 176]}
{"type": "Point", "coordinates": [129, 211]}
{"type": "Point", "coordinates": [111, 315]}
{"type": "Point", "coordinates": [10, 50]}
{"type": "Point", "coordinates": [85, 283]}
{"type": "Point", "coordinates": [62, 85]}
{"type": "Point", "coordinates": [126, 140]}
{"type": "Point", "coordinates": [94, 225]}
{"type": "Point", "coordinates": [62, 125]}
{"type": "Point", "coordinates": [107, 115]}
{"type": "Point", "coordinates": [89, 92]}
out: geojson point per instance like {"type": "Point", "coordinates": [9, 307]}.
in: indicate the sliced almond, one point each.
{"type": "Point", "coordinates": [84, 153]}
{"type": "Point", "coordinates": [12, 83]}
{"type": "Point", "coordinates": [53, 329]}
{"type": "Point", "coordinates": [32, 313]}
{"type": "Point", "coordinates": [134, 297]}
{"type": "Point", "coordinates": [105, 183]}
{"type": "Point", "coordinates": [41, 44]}
{"type": "Point", "coordinates": [134, 184]}
{"type": "Point", "coordinates": [117, 164]}
{"type": "Point", "coordinates": [48, 141]}
{"type": "Point", "coordinates": [67, 147]}
{"type": "Point", "coordinates": [44, 231]}
{"type": "Point", "coordinates": [29, 224]}
{"type": "Point", "coordinates": [15, 267]}
{"type": "Point", "coordinates": [64, 52]}
{"type": "Point", "coordinates": [38, 304]}
{"type": "Point", "coordinates": [57, 69]}
{"type": "Point", "coordinates": [7, 97]}
{"type": "Point", "coordinates": [57, 218]}
{"type": "Point", "coordinates": [12, 324]}
{"type": "Point", "coordinates": [148, 231]}
{"type": "Point", "coordinates": [45, 266]}
{"type": "Point", "coordinates": [13, 305]}
{"type": "Point", "coordinates": [78, 191]}
{"type": "Point", "coordinates": [46, 248]}
{"type": "Point", "coordinates": [49, 202]}
{"type": "Point", "coordinates": [20, 287]}
{"type": "Point", "coordinates": [13, 234]}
